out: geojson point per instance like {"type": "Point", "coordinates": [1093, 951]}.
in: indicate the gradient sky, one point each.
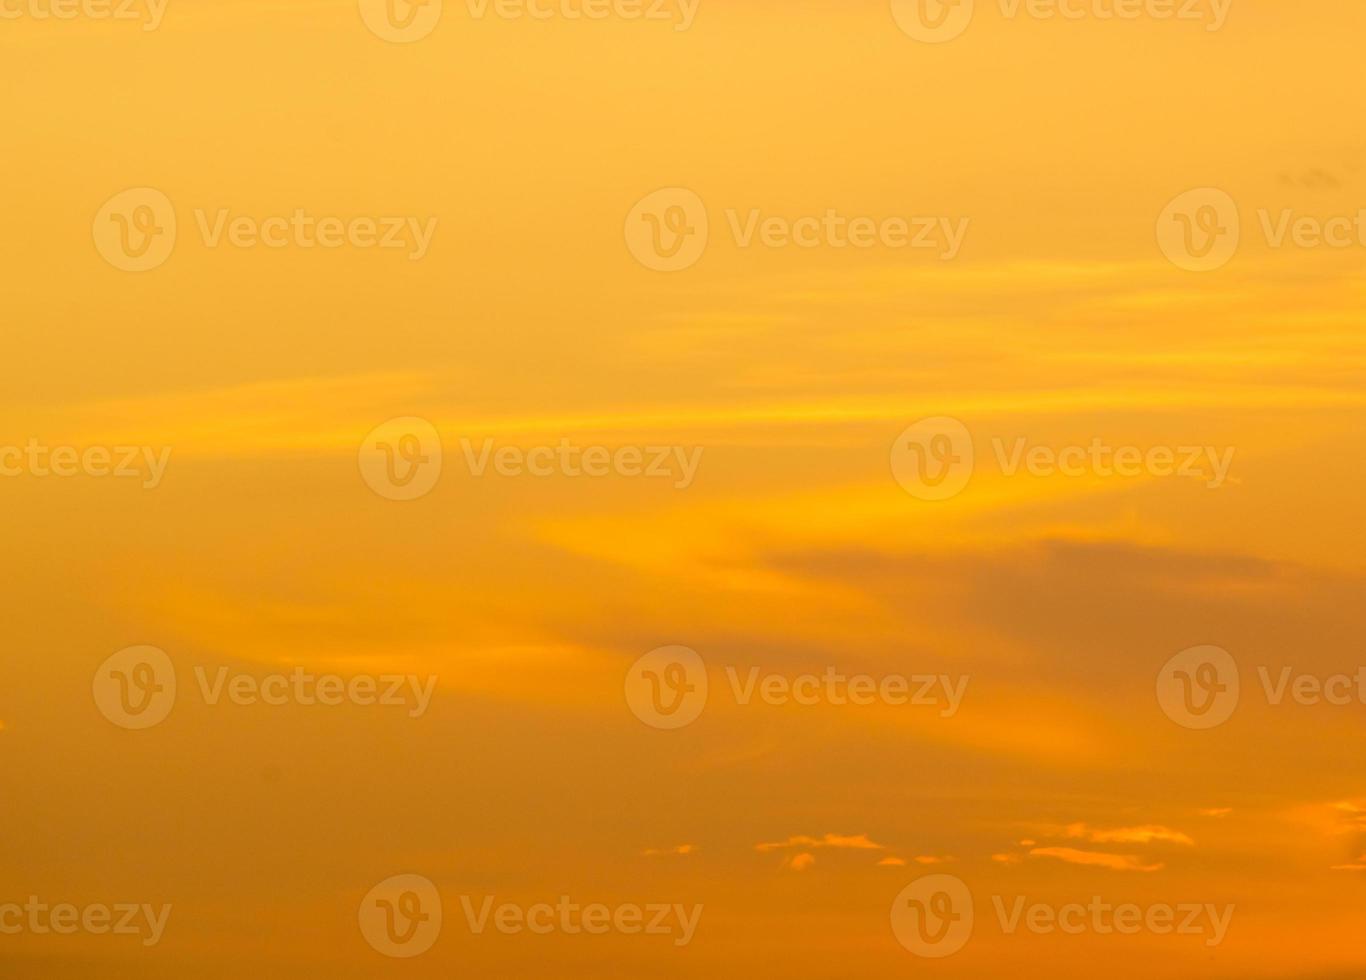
{"type": "Point", "coordinates": [794, 550]}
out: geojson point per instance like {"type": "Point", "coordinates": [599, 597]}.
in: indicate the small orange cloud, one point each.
{"type": "Point", "coordinates": [1352, 813]}
{"type": "Point", "coordinates": [1128, 835]}
{"type": "Point", "coordinates": [1217, 811]}
{"type": "Point", "coordinates": [858, 843]}
{"type": "Point", "coordinates": [682, 850]}
{"type": "Point", "coordinates": [892, 862]}
{"type": "Point", "coordinates": [1114, 862]}
{"type": "Point", "coordinates": [800, 862]}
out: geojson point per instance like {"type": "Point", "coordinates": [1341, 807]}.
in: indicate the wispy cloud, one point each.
{"type": "Point", "coordinates": [1097, 859]}
{"type": "Point", "coordinates": [1128, 835]}
{"type": "Point", "coordinates": [856, 843]}
{"type": "Point", "coordinates": [681, 850]}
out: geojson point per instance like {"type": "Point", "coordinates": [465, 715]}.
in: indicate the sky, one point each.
{"type": "Point", "coordinates": [304, 478]}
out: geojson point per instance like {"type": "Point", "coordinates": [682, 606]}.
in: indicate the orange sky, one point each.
{"type": "Point", "coordinates": [791, 548]}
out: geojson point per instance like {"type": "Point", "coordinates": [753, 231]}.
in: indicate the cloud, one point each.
{"type": "Point", "coordinates": [856, 843]}
{"type": "Point", "coordinates": [1114, 862]}
{"type": "Point", "coordinates": [681, 850]}
{"type": "Point", "coordinates": [1352, 814]}
{"type": "Point", "coordinates": [1217, 811]}
{"type": "Point", "coordinates": [800, 862]}
{"type": "Point", "coordinates": [1128, 835]}
{"type": "Point", "coordinates": [892, 862]}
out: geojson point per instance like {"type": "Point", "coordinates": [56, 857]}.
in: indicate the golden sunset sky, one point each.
{"type": "Point", "coordinates": [528, 321]}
